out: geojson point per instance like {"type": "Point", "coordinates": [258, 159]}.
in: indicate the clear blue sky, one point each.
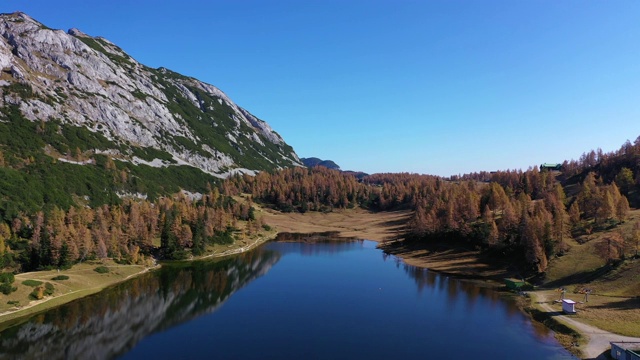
{"type": "Point", "coordinates": [435, 87]}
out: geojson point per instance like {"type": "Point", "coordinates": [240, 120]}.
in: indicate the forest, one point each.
{"type": "Point", "coordinates": [131, 232]}
{"type": "Point", "coordinates": [523, 215]}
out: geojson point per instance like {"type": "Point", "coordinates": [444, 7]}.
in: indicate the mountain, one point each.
{"type": "Point", "coordinates": [314, 161]}
{"type": "Point", "coordinates": [82, 101]}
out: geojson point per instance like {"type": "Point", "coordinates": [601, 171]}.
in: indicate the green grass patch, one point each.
{"type": "Point", "coordinates": [60, 277]}
{"type": "Point", "coordinates": [32, 283]}
{"type": "Point", "coordinates": [101, 269]}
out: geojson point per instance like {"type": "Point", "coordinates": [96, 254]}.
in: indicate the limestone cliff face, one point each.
{"type": "Point", "coordinates": [87, 81]}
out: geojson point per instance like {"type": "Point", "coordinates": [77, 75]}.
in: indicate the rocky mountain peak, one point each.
{"type": "Point", "coordinates": [85, 81]}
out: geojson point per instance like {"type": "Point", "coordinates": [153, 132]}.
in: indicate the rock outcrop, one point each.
{"type": "Point", "coordinates": [87, 81]}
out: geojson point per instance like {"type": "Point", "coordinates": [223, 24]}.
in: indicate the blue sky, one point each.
{"type": "Point", "coordinates": [435, 87]}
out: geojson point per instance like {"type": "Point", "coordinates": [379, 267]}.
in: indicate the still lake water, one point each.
{"type": "Point", "coordinates": [331, 300]}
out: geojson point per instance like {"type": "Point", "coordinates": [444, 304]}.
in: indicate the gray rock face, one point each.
{"type": "Point", "coordinates": [88, 81]}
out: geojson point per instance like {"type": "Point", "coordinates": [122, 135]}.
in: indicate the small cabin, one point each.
{"type": "Point", "coordinates": [625, 350]}
{"type": "Point", "coordinates": [513, 284]}
{"type": "Point", "coordinates": [568, 306]}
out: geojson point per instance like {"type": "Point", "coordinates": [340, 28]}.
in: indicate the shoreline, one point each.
{"type": "Point", "coordinates": [453, 261]}
{"type": "Point", "coordinates": [9, 317]}
{"type": "Point", "coordinates": [458, 262]}
{"type": "Point", "coordinates": [49, 302]}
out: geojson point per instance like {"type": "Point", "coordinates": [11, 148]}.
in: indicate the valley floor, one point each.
{"type": "Point", "coordinates": [616, 313]}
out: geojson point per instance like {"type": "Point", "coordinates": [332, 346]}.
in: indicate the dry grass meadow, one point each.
{"type": "Point", "coordinates": [82, 281]}
{"type": "Point", "coordinates": [358, 223]}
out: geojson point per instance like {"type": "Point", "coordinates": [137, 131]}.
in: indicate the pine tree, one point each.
{"type": "Point", "coordinates": [622, 209]}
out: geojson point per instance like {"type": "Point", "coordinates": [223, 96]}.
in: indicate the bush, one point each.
{"type": "Point", "coordinates": [32, 283]}
{"type": "Point", "coordinates": [37, 293]}
{"type": "Point", "coordinates": [7, 278]}
{"type": "Point", "coordinates": [266, 227]}
{"type": "Point", "coordinates": [48, 288]}
{"type": "Point", "coordinates": [101, 269]}
{"type": "Point", "coordinates": [6, 288]}
{"type": "Point", "coordinates": [13, 302]}
{"type": "Point", "coordinates": [60, 277]}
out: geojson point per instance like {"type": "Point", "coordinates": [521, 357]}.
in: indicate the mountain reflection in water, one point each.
{"type": "Point", "coordinates": [109, 323]}
{"type": "Point", "coordinates": [325, 299]}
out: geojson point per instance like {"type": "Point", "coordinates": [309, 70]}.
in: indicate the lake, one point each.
{"type": "Point", "coordinates": [286, 300]}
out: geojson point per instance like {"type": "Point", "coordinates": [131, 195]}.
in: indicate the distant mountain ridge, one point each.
{"type": "Point", "coordinates": [314, 161]}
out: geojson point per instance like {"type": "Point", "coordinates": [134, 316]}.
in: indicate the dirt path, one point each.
{"type": "Point", "coordinates": [598, 339]}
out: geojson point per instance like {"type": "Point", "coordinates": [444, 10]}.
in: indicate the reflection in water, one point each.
{"type": "Point", "coordinates": [307, 244]}
{"type": "Point", "coordinates": [110, 323]}
{"type": "Point", "coordinates": [471, 291]}
{"type": "Point", "coordinates": [328, 299]}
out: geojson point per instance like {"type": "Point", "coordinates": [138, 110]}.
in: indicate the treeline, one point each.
{"type": "Point", "coordinates": [530, 222]}
{"type": "Point", "coordinates": [323, 189]}
{"type": "Point", "coordinates": [608, 167]}
{"type": "Point", "coordinates": [301, 189]}
{"type": "Point", "coordinates": [127, 232]}
{"type": "Point", "coordinates": [523, 215]}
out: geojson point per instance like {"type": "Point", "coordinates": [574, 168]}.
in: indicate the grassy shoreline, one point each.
{"type": "Point", "coordinates": [84, 280]}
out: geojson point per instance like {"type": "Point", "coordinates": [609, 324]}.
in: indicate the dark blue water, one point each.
{"type": "Point", "coordinates": [337, 300]}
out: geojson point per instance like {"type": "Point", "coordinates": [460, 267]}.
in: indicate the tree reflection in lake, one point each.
{"type": "Point", "coordinates": [110, 323]}
{"type": "Point", "coordinates": [472, 292]}
{"type": "Point", "coordinates": [324, 299]}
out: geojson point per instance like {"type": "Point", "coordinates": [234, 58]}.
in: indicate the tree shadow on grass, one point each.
{"type": "Point", "coordinates": [625, 304]}
{"type": "Point", "coordinates": [581, 277]}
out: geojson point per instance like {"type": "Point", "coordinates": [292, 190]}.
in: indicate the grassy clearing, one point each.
{"type": "Point", "coordinates": [614, 314]}
{"type": "Point", "coordinates": [358, 223]}
{"type": "Point", "coordinates": [82, 281]}
{"type": "Point", "coordinates": [614, 304]}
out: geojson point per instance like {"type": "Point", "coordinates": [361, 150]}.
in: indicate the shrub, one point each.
{"type": "Point", "coordinates": [101, 269]}
{"type": "Point", "coordinates": [6, 288]}
{"type": "Point", "coordinates": [32, 283]}
{"type": "Point", "coordinates": [7, 278]}
{"type": "Point", "coordinates": [266, 227]}
{"type": "Point", "coordinates": [49, 288]}
{"type": "Point", "coordinates": [37, 293]}
{"type": "Point", "coordinates": [13, 302]}
{"type": "Point", "coordinates": [60, 277]}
